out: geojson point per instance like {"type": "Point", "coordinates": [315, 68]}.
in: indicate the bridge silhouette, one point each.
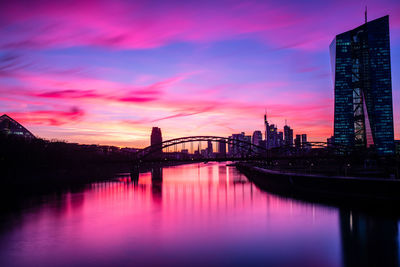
{"type": "Point", "coordinates": [247, 150]}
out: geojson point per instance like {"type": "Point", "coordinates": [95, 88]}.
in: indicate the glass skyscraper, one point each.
{"type": "Point", "coordinates": [363, 87]}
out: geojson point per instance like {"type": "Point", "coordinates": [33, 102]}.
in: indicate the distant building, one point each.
{"type": "Point", "coordinates": [257, 138]}
{"type": "Point", "coordinates": [246, 147]}
{"type": "Point", "coordinates": [210, 149]}
{"type": "Point", "coordinates": [222, 148]}
{"type": "Point", "coordinates": [297, 141]}
{"type": "Point", "coordinates": [156, 141]}
{"type": "Point", "coordinates": [330, 141]}
{"type": "Point", "coordinates": [129, 150]}
{"type": "Point", "coordinates": [240, 145]}
{"type": "Point", "coordinates": [266, 131]}
{"type": "Point", "coordinates": [279, 139]}
{"type": "Point", "coordinates": [234, 145]}
{"type": "Point", "coordinates": [304, 142]}
{"type": "Point", "coordinates": [304, 139]}
{"type": "Point", "coordinates": [288, 136]}
{"type": "Point", "coordinates": [204, 153]}
{"type": "Point", "coordinates": [361, 71]}
{"type": "Point", "coordinates": [12, 127]}
{"type": "Point", "coordinates": [272, 136]}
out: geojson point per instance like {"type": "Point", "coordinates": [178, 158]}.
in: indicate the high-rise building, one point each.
{"type": "Point", "coordinates": [266, 131]}
{"type": "Point", "coordinates": [304, 142]}
{"type": "Point", "coordinates": [304, 139]}
{"type": "Point", "coordinates": [240, 145]}
{"type": "Point", "coordinates": [257, 138]}
{"type": "Point", "coordinates": [272, 136]}
{"type": "Point", "coordinates": [330, 141]}
{"type": "Point", "coordinates": [279, 139]}
{"type": "Point", "coordinates": [210, 149]}
{"type": "Point", "coordinates": [246, 148]}
{"type": "Point", "coordinates": [235, 144]}
{"type": "Point", "coordinates": [297, 141]}
{"type": "Point", "coordinates": [222, 148]}
{"type": "Point", "coordinates": [156, 140]}
{"type": "Point", "coordinates": [363, 88]}
{"type": "Point", "coordinates": [288, 136]}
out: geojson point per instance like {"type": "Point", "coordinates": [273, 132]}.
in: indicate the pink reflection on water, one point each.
{"type": "Point", "coordinates": [199, 212]}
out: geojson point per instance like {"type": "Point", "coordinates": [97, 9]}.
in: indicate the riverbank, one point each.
{"type": "Point", "coordinates": [338, 190]}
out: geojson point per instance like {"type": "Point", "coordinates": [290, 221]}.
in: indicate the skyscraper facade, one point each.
{"type": "Point", "coordinates": [288, 136]}
{"type": "Point", "coordinates": [363, 88]}
{"type": "Point", "coordinates": [210, 149]}
{"type": "Point", "coordinates": [272, 136]}
{"type": "Point", "coordinates": [297, 141]}
{"type": "Point", "coordinates": [257, 138]}
{"type": "Point", "coordinates": [222, 148]}
{"type": "Point", "coordinates": [266, 131]}
{"type": "Point", "coordinates": [156, 140]}
{"type": "Point", "coordinates": [240, 145]}
{"type": "Point", "coordinates": [304, 139]}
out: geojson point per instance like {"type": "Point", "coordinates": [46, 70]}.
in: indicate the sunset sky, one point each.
{"type": "Point", "coordinates": [106, 72]}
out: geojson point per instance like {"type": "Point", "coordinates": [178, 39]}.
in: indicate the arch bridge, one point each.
{"type": "Point", "coordinates": [243, 150]}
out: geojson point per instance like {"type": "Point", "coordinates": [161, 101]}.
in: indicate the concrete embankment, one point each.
{"type": "Point", "coordinates": [322, 187]}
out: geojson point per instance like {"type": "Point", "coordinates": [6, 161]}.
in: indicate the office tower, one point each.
{"type": "Point", "coordinates": [279, 139]}
{"type": "Point", "coordinates": [304, 142]}
{"type": "Point", "coordinates": [247, 146]}
{"type": "Point", "coordinates": [297, 141]}
{"type": "Point", "coordinates": [210, 149]}
{"type": "Point", "coordinates": [272, 136]}
{"type": "Point", "coordinates": [234, 145]}
{"type": "Point", "coordinates": [156, 140]}
{"type": "Point", "coordinates": [330, 141]}
{"type": "Point", "coordinates": [12, 127]}
{"type": "Point", "coordinates": [363, 88]}
{"type": "Point", "coordinates": [303, 139]}
{"type": "Point", "coordinates": [222, 148]}
{"type": "Point", "coordinates": [257, 138]}
{"type": "Point", "coordinates": [288, 136]}
{"type": "Point", "coordinates": [240, 145]}
{"type": "Point", "coordinates": [266, 131]}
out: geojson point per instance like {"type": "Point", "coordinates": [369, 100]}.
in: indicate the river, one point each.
{"type": "Point", "coordinates": [190, 215]}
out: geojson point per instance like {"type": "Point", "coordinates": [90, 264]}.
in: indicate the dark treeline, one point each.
{"type": "Point", "coordinates": [30, 162]}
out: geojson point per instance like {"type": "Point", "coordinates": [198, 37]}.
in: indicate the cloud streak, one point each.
{"type": "Point", "coordinates": [145, 25]}
{"type": "Point", "coordinates": [49, 117]}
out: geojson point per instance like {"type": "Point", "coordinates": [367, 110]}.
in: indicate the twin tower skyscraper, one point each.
{"type": "Point", "coordinates": [361, 71]}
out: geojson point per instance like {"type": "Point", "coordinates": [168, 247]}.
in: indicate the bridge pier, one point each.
{"type": "Point", "coordinates": [135, 172]}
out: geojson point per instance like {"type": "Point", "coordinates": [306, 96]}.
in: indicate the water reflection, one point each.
{"type": "Point", "coordinates": [199, 214]}
{"type": "Point", "coordinates": [369, 240]}
{"type": "Point", "coordinates": [156, 183]}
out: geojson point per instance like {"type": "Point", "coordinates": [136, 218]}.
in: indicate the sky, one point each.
{"type": "Point", "coordinates": [106, 72]}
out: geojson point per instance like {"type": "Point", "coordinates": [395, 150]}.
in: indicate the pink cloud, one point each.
{"type": "Point", "coordinates": [85, 88]}
{"type": "Point", "coordinates": [68, 94]}
{"type": "Point", "coordinates": [49, 117]}
{"type": "Point", "coordinates": [139, 24]}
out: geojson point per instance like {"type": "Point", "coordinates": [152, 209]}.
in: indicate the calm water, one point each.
{"type": "Point", "coordinates": [191, 215]}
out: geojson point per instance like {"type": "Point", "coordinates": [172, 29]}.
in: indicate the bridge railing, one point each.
{"type": "Point", "coordinates": [246, 149]}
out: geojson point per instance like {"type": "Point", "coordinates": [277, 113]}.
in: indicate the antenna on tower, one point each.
{"type": "Point", "coordinates": [285, 122]}
{"type": "Point", "coordinates": [265, 115]}
{"type": "Point", "coordinates": [365, 14]}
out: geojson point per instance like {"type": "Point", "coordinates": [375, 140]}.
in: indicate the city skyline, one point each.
{"type": "Point", "coordinates": [74, 77]}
